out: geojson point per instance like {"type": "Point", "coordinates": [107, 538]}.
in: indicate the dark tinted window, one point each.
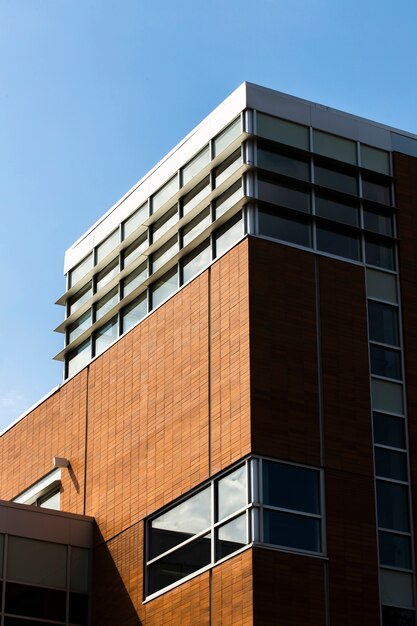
{"type": "Point", "coordinates": [292, 531]}
{"type": "Point", "coordinates": [390, 464]}
{"type": "Point", "coordinates": [290, 487]}
{"type": "Point", "coordinates": [389, 430]}
{"type": "Point", "coordinates": [383, 323]}
{"type": "Point", "coordinates": [336, 180]}
{"type": "Point", "coordinates": [283, 164]}
{"type": "Point", "coordinates": [378, 221]}
{"type": "Point", "coordinates": [291, 197]}
{"type": "Point", "coordinates": [336, 210]}
{"type": "Point", "coordinates": [385, 362]}
{"type": "Point", "coordinates": [380, 254]}
{"type": "Point", "coordinates": [378, 192]}
{"type": "Point", "coordinates": [392, 500]}
{"type": "Point", "coordinates": [394, 550]}
{"type": "Point", "coordinates": [341, 244]}
{"type": "Point", "coordinates": [392, 616]}
{"type": "Point", "coordinates": [78, 608]}
{"type": "Point", "coordinates": [35, 602]}
{"type": "Point", "coordinates": [293, 230]}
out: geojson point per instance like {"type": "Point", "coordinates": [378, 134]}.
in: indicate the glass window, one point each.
{"type": "Point", "coordinates": [334, 147]}
{"type": "Point", "coordinates": [164, 287]}
{"type": "Point", "coordinates": [387, 396]}
{"type": "Point", "coordinates": [394, 550]}
{"type": "Point", "coordinates": [37, 562]}
{"type": "Point", "coordinates": [105, 336]}
{"type": "Point", "coordinates": [226, 137]}
{"type": "Point", "coordinates": [79, 326]}
{"type": "Point", "coordinates": [385, 362]}
{"type": "Point", "coordinates": [228, 167]}
{"type": "Point", "coordinates": [374, 159]}
{"type": "Point", "coordinates": [79, 357]}
{"type": "Point", "coordinates": [396, 588]}
{"type": "Point", "coordinates": [291, 197]}
{"type": "Point", "coordinates": [290, 487]}
{"type": "Point", "coordinates": [376, 191]}
{"type": "Point", "coordinates": [390, 464]}
{"type": "Point", "coordinates": [196, 226]}
{"type": "Point", "coordinates": [389, 430]}
{"type": "Point", "coordinates": [80, 270]}
{"type": "Point", "coordinates": [196, 195]}
{"type": "Point", "coordinates": [340, 244]}
{"type": "Point", "coordinates": [228, 234]}
{"type": "Point", "coordinates": [283, 131]}
{"type": "Point", "coordinates": [294, 230]}
{"type": "Point", "coordinates": [392, 504]}
{"type": "Point", "coordinates": [231, 492]}
{"type": "Point", "coordinates": [283, 164]}
{"type": "Point", "coordinates": [229, 198]}
{"type": "Point", "coordinates": [378, 221]}
{"type": "Point", "coordinates": [51, 500]}
{"type": "Point", "coordinates": [79, 568]}
{"type": "Point", "coordinates": [231, 537]}
{"type": "Point", "coordinates": [164, 194]}
{"type": "Point", "coordinates": [37, 602]}
{"type": "Point", "coordinates": [336, 210]}
{"type": "Point", "coordinates": [136, 278]}
{"type": "Point", "coordinates": [164, 253]}
{"type": "Point", "coordinates": [135, 220]}
{"type": "Point", "coordinates": [162, 225]}
{"type": "Point", "coordinates": [134, 312]}
{"type": "Point", "coordinates": [383, 323]}
{"type": "Point", "coordinates": [381, 285]}
{"type": "Point", "coordinates": [80, 298]}
{"type": "Point", "coordinates": [78, 608]}
{"type": "Point", "coordinates": [292, 531]}
{"type": "Point", "coordinates": [106, 246]}
{"type": "Point", "coordinates": [335, 179]}
{"type": "Point", "coordinates": [380, 254]}
{"type": "Point", "coordinates": [196, 261]}
{"type": "Point", "coordinates": [196, 165]}
{"type": "Point", "coordinates": [393, 616]}
{"type": "Point", "coordinates": [106, 303]}
{"type": "Point", "coordinates": [135, 249]}
{"type": "Point", "coordinates": [107, 274]}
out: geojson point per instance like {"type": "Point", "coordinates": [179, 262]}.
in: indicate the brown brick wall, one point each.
{"type": "Point", "coordinates": [231, 598]}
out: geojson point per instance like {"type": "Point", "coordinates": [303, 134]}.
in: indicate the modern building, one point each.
{"type": "Point", "coordinates": [239, 406]}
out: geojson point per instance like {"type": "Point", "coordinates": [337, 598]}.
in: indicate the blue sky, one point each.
{"type": "Point", "coordinates": [94, 92]}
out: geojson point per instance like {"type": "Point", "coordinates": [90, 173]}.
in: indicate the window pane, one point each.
{"type": "Point", "coordinates": [231, 492]}
{"type": "Point", "coordinates": [79, 326]}
{"type": "Point", "coordinates": [107, 274]}
{"type": "Point", "coordinates": [188, 518]}
{"type": "Point", "coordinates": [109, 244]}
{"type": "Point", "coordinates": [392, 500]}
{"type": "Point", "coordinates": [394, 550]}
{"type": "Point", "coordinates": [38, 562]}
{"type": "Point", "coordinates": [336, 210]}
{"type": "Point", "coordinates": [374, 159]}
{"type": "Point", "coordinates": [134, 251]}
{"type": "Point", "coordinates": [162, 225]}
{"type": "Point", "coordinates": [341, 244]}
{"type": "Point", "coordinates": [390, 464]}
{"type": "Point", "coordinates": [227, 136]}
{"type": "Point", "coordinates": [164, 253]}
{"type": "Point", "coordinates": [334, 147]}
{"type": "Point", "coordinates": [283, 131]}
{"type": "Point", "coordinates": [231, 537]}
{"type": "Point", "coordinates": [179, 564]}
{"type": "Point", "coordinates": [380, 254]}
{"type": "Point", "coordinates": [79, 357]}
{"type": "Point", "coordinates": [135, 220]}
{"type": "Point", "coordinates": [385, 362]}
{"type": "Point", "coordinates": [198, 259]}
{"type": "Point", "coordinates": [290, 487]}
{"type": "Point", "coordinates": [105, 336]}
{"type": "Point", "coordinates": [291, 197]}
{"type": "Point", "coordinates": [392, 616]}
{"type": "Point", "coordinates": [164, 194]}
{"type": "Point", "coordinates": [377, 192]}
{"type": "Point", "coordinates": [341, 181]}
{"type": "Point", "coordinates": [228, 199]}
{"type": "Point", "coordinates": [35, 602]}
{"type": "Point", "coordinates": [292, 531]}
{"type": "Point", "coordinates": [381, 285]}
{"type": "Point", "coordinates": [134, 312]}
{"type": "Point", "coordinates": [378, 221]}
{"type": "Point", "coordinates": [383, 323]}
{"type": "Point", "coordinates": [80, 270]}
{"type": "Point", "coordinates": [106, 304]}
{"type": "Point", "coordinates": [387, 396]}
{"type": "Point", "coordinates": [283, 164]}
{"type": "Point", "coordinates": [196, 226]}
{"type": "Point", "coordinates": [293, 230]}
{"type": "Point", "coordinates": [396, 588]}
{"type": "Point", "coordinates": [164, 287]}
{"type": "Point", "coordinates": [78, 608]}
{"type": "Point", "coordinates": [228, 167]}
{"type": "Point", "coordinates": [226, 236]}
{"type": "Point", "coordinates": [79, 569]}
{"type": "Point", "coordinates": [196, 195]}
{"type": "Point", "coordinates": [135, 279]}
{"type": "Point", "coordinates": [51, 500]}
{"type": "Point", "coordinates": [196, 165]}
{"type": "Point", "coordinates": [389, 430]}
{"type": "Point", "coordinates": [79, 298]}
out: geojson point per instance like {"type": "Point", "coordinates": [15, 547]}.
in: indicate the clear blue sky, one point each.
{"type": "Point", "coordinates": [94, 92]}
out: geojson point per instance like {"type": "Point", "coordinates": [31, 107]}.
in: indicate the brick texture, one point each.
{"type": "Point", "coordinates": [231, 599]}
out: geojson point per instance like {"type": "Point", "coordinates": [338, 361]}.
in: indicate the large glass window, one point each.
{"type": "Point", "coordinates": [80, 298]}
{"type": "Point", "coordinates": [389, 430]}
{"type": "Point", "coordinates": [378, 221]}
{"type": "Point", "coordinates": [106, 246]}
{"type": "Point", "coordinates": [335, 179]}
{"type": "Point", "coordinates": [294, 230]}
{"type": "Point", "coordinates": [380, 253]}
{"type": "Point", "coordinates": [228, 167]}
{"type": "Point", "coordinates": [164, 194]}
{"type": "Point", "coordinates": [282, 131]}
{"type": "Point", "coordinates": [105, 336]}
{"type": "Point", "coordinates": [334, 147]}
{"type": "Point", "coordinates": [339, 243]}
{"type": "Point", "coordinates": [337, 210]}
{"type": "Point", "coordinates": [135, 220]}
{"type": "Point", "coordinates": [381, 286]}
{"type": "Point", "coordinates": [136, 278]}
{"type": "Point", "coordinates": [107, 274]}
{"type": "Point", "coordinates": [385, 362]}
{"type": "Point", "coordinates": [228, 199]}
{"type": "Point", "coordinates": [383, 323]}
{"type": "Point", "coordinates": [283, 164]}
{"type": "Point", "coordinates": [276, 193]}
{"type": "Point", "coordinates": [164, 287]}
{"type": "Point", "coordinates": [387, 396]}
{"type": "Point", "coordinates": [196, 261]}
{"type": "Point", "coordinates": [162, 225]}
{"type": "Point", "coordinates": [134, 312]}
{"type": "Point", "coordinates": [79, 326]}
{"type": "Point", "coordinates": [196, 165]}
{"type": "Point", "coordinates": [81, 269]}
{"type": "Point", "coordinates": [394, 550]}
{"type": "Point", "coordinates": [196, 226]}
{"type": "Point", "coordinates": [376, 191]}
{"type": "Point", "coordinates": [164, 253]}
{"type": "Point", "coordinates": [228, 234]}
{"type": "Point", "coordinates": [79, 357]}
{"type": "Point", "coordinates": [226, 137]}
{"type": "Point", "coordinates": [106, 303]}
{"type": "Point", "coordinates": [196, 195]}
{"type": "Point", "coordinates": [135, 249]}
{"type": "Point", "coordinates": [374, 159]}
{"type": "Point", "coordinates": [392, 501]}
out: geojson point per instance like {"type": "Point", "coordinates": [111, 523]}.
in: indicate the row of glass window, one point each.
{"type": "Point", "coordinates": [262, 501]}
{"type": "Point", "coordinates": [167, 191]}
{"type": "Point", "coordinates": [162, 288]}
